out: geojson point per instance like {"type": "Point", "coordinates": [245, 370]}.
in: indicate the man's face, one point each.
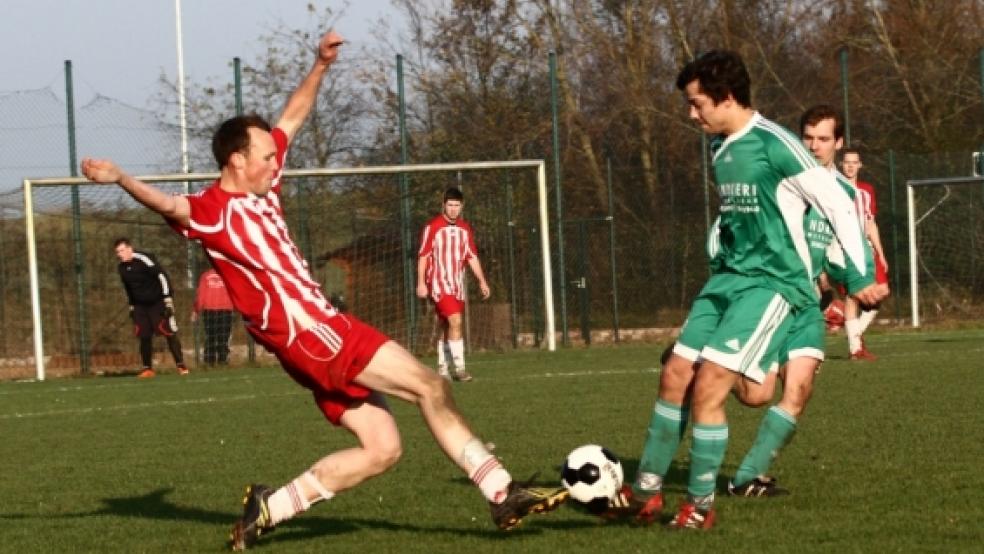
{"type": "Point", "coordinates": [260, 162]}
{"type": "Point", "coordinates": [711, 117]}
{"type": "Point", "coordinates": [452, 209]}
{"type": "Point", "coordinates": [820, 140]}
{"type": "Point", "coordinates": [851, 165]}
{"type": "Point", "coordinates": [124, 252]}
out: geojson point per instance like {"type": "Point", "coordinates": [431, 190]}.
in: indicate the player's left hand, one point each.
{"type": "Point", "coordinates": [872, 294]}
{"type": "Point", "coordinates": [485, 290]}
{"type": "Point", "coordinates": [101, 171]}
{"type": "Point", "coordinates": [168, 307]}
{"type": "Point", "coordinates": [328, 48]}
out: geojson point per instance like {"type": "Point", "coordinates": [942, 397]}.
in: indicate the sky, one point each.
{"type": "Point", "coordinates": [119, 48]}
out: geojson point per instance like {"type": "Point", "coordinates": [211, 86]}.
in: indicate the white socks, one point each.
{"type": "Point", "coordinates": [290, 500]}
{"type": "Point", "coordinates": [854, 330]}
{"type": "Point", "coordinates": [485, 470]}
{"type": "Point", "coordinates": [457, 348]}
{"type": "Point", "coordinates": [866, 318]}
{"type": "Point", "coordinates": [442, 359]}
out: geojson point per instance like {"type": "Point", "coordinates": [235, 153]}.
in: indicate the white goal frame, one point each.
{"type": "Point", "coordinates": [910, 187]}
{"type": "Point", "coordinates": [541, 183]}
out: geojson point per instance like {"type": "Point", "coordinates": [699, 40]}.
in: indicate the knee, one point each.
{"type": "Point", "coordinates": [794, 402]}
{"type": "Point", "coordinates": [434, 389]}
{"type": "Point", "coordinates": [752, 399]}
{"type": "Point", "coordinates": [676, 378]}
{"type": "Point", "coordinates": [384, 456]}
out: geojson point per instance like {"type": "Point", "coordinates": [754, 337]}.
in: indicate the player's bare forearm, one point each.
{"type": "Point", "coordinates": [105, 171]}
{"type": "Point", "coordinates": [422, 277]}
{"type": "Point", "coordinates": [476, 267]}
{"type": "Point", "coordinates": [871, 230]}
{"type": "Point", "coordinates": [302, 100]}
{"type": "Point", "coordinates": [175, 208]}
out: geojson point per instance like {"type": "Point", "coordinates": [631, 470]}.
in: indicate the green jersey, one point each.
{"type": "Point", "coordinates": [767, 180]}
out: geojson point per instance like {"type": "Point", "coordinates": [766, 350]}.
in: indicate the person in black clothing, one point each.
{"type": "Point", "coordinates": [148, 290]}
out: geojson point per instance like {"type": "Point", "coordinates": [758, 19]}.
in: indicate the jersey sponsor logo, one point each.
{"type": "Point", "coordinates": [740, 197]}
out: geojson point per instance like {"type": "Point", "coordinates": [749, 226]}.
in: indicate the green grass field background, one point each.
{"type": "Point", "coordinates": [888, 458]}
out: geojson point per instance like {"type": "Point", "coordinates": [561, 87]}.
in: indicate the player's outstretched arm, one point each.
{"type": "Point", "coordinates": [175, 208]}
{"type": "Point", "coordinates": [302, 100]}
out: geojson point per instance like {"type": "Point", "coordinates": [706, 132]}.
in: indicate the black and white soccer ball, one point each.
{"type": "Point", "coordinates": [593, 476]}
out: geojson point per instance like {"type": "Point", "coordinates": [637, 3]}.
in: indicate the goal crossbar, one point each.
{"type": "Point", "coordinates": [541, 183]}
{"type": "Point", "coordinates": [910, 187]}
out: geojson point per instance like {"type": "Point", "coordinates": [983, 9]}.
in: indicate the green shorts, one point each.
{"type": "Point", "coordinates": [806, 336]}
{"type": "Point", "coordinates": [738, 323]}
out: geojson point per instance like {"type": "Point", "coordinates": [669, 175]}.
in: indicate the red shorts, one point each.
{"type": "Point", "coordinates": [881, 274]}
{"type": "Point", "coordinates": [448, 305]}
{"type": "Point", "coordinates": [328, 357]}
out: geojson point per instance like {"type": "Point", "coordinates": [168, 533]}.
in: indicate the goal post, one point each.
{"type": "Point", "coordinates": [342, 242]}
{"type": "Point", "coordinates": [945, 241]}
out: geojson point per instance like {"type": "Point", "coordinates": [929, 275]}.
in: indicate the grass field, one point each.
{"type": "Point", "coordinates": [888, 458]}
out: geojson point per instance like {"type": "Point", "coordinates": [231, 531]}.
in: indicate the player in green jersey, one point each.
{"type": "Point", "coordinates": [739, 321]}
{"type": "Point", "coordinates": [822, 131]}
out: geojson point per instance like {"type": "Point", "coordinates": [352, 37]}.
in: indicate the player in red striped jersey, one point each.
{"type": "Point", "coordinates": [348, 365]}
{"type": "Point", "coordinates": [446, 245]}
{"type": "Point", "coordinates": [857, 318]}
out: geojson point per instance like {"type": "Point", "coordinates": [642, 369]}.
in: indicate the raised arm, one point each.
{"type": "Point", "coordinates": [303, 98]}
{"type": "Point", "coordinates": [171, 207]}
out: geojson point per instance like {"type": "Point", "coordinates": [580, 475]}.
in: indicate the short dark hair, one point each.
{"type": "Point", "coordinates": [851, 150]}
{"type": "Point", "coordinates": [233, 136]}
{"type": "Point", "coordinates": [454, 193]}
{"type": "Point", "coordinates": [121, 240]}
{"type": "Point", "coordinates": [818, 113]}
{"type": "Point", "coordinates": [719, 73]}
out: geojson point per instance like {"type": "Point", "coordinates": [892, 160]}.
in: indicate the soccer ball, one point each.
{"type": "Point", "coordinates": [593, 475]}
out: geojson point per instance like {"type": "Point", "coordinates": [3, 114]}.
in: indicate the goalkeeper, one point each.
{"type": "Point", "coordinates": [148, 290]}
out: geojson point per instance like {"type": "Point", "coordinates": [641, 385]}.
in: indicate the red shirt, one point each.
{"type": "Point", "coordinates": [447, 247]}
{"type": "Point", "coordinates": [212, 294]}
{"type": "Point", "coordinates": [866, 200]}
{"type": "Point", "coordinates": [246, 239]}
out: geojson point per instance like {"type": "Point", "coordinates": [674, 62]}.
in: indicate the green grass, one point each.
{"type": "Point", "coordinates": [888, 457]}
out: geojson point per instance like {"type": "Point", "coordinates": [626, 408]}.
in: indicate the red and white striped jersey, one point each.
{"type": "Point", "coordinates": [447, 247]}
{"type": "Point", "coordinates": [866, 200]}
{"type": "Point", "coordinates": [245, 236]}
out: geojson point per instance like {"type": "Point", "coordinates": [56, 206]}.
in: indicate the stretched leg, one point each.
{"type": "Point", "coordinates": [378, 449]}
{"type": "Point", "coordinates": [395, 372]}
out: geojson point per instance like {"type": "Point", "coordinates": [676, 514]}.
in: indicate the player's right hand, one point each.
{"type": "Point", "coordinates": [132, 317]}
{"type": "Point", "coordinates": [328, 47]}
{"type": "Point", "coordinates": [101, 171]}
{"type": "Point", "coordinates": [422, 291]}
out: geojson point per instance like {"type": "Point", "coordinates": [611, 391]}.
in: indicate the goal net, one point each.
{"type": "Point", "coordinates": [946, 248]}
{"type": "Point", "coordinates": [359, 229]}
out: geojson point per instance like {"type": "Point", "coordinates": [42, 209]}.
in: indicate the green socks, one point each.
{"type": "Point", "coordinates": [706, 455]}
{"type": "Point", "coordinates": [666, 428]}
{"type": "Point", "coordinates": [775, 431]}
